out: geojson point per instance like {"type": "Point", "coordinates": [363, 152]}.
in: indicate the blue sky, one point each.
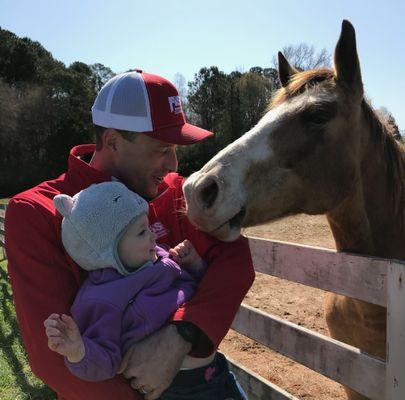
{"type": "Point", "coordinates": [169, 37]}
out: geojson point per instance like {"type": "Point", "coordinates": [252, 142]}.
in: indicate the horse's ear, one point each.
{"type": "Point", "coordinates": [285, 70]}
{"type": "Point", "coordinates": [347, 63]}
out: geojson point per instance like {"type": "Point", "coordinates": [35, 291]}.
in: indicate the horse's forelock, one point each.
{"type": "Point", "coordinates": [299, 83]}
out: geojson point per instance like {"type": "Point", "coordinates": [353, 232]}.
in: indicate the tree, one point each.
{"type": "Point", "coordinates": [101, 75]}
{"type": "Point", "coordinates": [254, 91]}
{"type": "Point", "coordinates": [181, 84]}
{"type": "Point", "coordinates": [45, 109]}
{"type": "Point", "coordinates": [207, 107]}
{"type": "Point", "coordinates": [207, 97]}
{"type": "Point", "coordinates": [23, 60]}
{"type": "Point", "coordinates": [228, 105]}
{"type": "Point", "coordinates": [304, 57]}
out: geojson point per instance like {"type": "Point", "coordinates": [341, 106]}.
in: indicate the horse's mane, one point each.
{"type": "Point", "coordinates": [394, 155]}
{"type": "Point", "coordinates": [381, 132]}
{"type": "Point", "coordinates": [301, 82]}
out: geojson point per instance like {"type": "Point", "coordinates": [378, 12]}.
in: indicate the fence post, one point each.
{"type": "Point", "coordinates": [395, 379]}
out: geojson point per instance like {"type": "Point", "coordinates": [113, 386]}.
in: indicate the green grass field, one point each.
{"type": "Point", "coordinates": [16, 380]}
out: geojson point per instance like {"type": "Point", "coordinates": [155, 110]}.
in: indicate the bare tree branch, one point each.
{"type": "Point", "coordinates": [304, 57]}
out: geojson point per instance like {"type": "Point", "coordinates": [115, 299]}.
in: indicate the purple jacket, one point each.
{"type": "Point", "coordinates": [115, 311]}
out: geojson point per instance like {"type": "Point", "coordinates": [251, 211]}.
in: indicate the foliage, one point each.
{"type": "Point", "coordinates": [45, 109]}
{"type": "Point", "coordinates": [226, 104]}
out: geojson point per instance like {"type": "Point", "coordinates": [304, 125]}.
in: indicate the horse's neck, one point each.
{"type": "Point", "coordinates": [350, 225]}
{"type": "Point", "coordinates": [368, 222]}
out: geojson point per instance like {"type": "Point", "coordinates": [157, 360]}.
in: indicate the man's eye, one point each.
{"type": "Point", "coordinates": [164, 150]}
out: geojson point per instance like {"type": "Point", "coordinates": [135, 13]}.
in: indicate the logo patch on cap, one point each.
{"type": "Point", "coordinates": [175, 104]}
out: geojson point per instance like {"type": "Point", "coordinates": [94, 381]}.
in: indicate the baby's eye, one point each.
{"type": "Point", "coordinates": [142, 232]}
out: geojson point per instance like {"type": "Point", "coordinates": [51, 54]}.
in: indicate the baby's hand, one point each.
{"type": "Point", "coordinates": [64, 337]}
{"type": "Point", "coordinates": [186, 256]}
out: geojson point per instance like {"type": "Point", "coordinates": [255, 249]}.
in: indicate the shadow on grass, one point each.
{"type": "Point", "coordinates": [16, 363]}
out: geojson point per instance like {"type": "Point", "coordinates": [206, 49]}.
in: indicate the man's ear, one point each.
{"type": "Point", "coordinates": [110, 138]}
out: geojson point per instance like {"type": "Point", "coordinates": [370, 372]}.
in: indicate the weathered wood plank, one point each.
{"type": "Point", "coordinates": [363, 278]}
{"type": "Point", "coordinates": [395, 380]}
{"type": "Point", "coordinates": [336, 360]}
{"type": "Point", "coordinates": [256, 387]}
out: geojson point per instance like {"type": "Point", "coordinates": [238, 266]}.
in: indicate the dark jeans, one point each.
{"type": "Point", "coordinates": [211, 382]}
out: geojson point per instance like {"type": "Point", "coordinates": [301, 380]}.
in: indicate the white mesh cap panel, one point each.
{"type": "Point", "coordinates": [123, 103]}
{"type": "Point", "coordinates": [129, 99]}
{"type": "Point", "coordinates": [102, 97]}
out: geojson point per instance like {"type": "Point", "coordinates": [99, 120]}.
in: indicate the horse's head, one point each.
{"type": "Point", "coordinates": [302, 156]}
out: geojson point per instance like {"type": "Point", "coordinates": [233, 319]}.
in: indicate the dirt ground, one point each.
{"type": "Point", "coordinates": [297, 303]}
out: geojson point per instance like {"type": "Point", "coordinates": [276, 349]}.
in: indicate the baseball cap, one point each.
{"type": "Point", "coordinates": [137, 101]}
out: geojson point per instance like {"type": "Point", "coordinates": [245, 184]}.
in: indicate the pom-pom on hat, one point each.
{"type": "Point", "coordinates": [137, 101]}
{"type": "Point", "coordinates": [94, 220]}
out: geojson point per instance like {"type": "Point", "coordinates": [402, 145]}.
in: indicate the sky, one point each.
{"type": "Point", "coordinates": [170, 37]}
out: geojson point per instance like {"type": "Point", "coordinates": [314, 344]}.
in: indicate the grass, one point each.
{"type": "Point", "coordinates": [16, 380]}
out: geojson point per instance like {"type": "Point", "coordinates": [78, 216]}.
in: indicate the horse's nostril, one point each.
{"type": "Point", "coordinates": [208, 193]}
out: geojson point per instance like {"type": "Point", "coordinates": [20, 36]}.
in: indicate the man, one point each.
{"type": "Point", "coordinates": [139, 123]}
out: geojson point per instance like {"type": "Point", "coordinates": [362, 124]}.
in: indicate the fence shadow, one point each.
{"type": "Point", "coordinates": [9, 335]}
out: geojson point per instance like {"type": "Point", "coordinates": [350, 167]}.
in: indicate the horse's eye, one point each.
{"type": "Point", "coordinates": [318, 116]}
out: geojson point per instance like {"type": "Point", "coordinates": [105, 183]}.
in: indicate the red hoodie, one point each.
{"type": "Point", "coordinates": [45, 280]}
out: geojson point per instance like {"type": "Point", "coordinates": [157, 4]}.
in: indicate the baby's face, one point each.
{"type": "Point", "coordinates": [137, 245]}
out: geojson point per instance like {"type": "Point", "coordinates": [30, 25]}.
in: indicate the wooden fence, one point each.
{"type": "Point", "coordinates": [374, 280]}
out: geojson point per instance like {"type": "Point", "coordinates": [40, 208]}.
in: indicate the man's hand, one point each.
{"type": "Point", "coordinates": [152, 363]}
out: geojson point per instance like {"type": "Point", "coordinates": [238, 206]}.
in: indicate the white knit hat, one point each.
{"type": "Point", "coordinates": [94, 220]}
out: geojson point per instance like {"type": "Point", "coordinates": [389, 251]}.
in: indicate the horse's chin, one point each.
{"type": "Point", "coordinates": [230, 230]}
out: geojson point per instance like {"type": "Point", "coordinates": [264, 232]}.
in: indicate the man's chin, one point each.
{"type": "Point", "coordinates": [148, 193]}
{"type": "Point", "coordinates": [151, 194]}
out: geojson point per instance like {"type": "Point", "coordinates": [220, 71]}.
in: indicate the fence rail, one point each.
{"type": "Point", "coordinates": [375, 280]}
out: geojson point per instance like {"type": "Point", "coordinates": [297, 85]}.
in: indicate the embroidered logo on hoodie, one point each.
{"type": "Point", "coordinates": [159, 229]}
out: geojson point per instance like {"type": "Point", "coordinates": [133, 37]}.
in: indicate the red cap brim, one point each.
{"type": "Point", "coordinates": [180, 134]}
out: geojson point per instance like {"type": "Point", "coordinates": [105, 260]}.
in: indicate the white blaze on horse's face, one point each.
{"type": "Point", "coordinates": [216, 195]}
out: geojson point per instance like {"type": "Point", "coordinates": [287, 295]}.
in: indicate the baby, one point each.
{"type": "Point", "coordinates": [133, 285]}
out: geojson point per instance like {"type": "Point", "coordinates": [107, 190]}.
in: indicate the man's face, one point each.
{"type": "Point", "coordinates": [143, 163]}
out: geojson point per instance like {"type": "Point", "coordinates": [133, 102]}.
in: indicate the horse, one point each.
{"type": "Point", "coordinates": [320, 148]}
